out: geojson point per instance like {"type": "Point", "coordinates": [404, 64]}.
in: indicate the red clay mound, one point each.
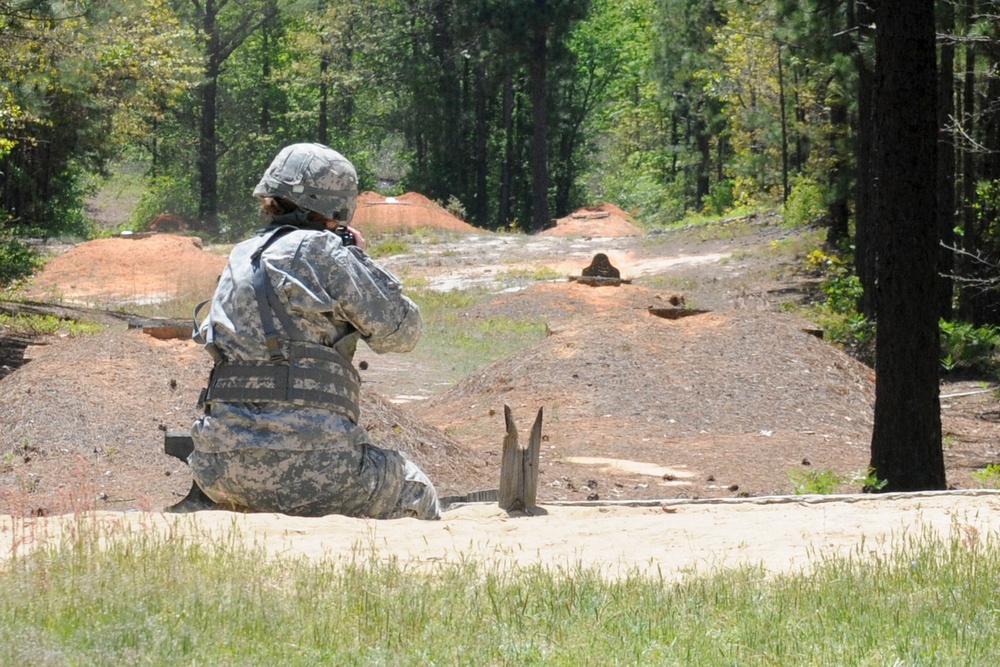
{"type": "Point", "coordinates": [605, 220]}
{"type": "Point", "coordinates": [115, 271]}
{"type": "Point", "coordinates": [376, 213]}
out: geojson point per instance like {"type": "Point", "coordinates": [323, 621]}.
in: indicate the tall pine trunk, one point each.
{"type": "Point", "coordinates": [537, 70]}
{"type": "Point", "coordinates": [906, 440]}
{"type": "Point", "coordinates": [864, 184]}
{"type": "Point", "coordinates": [208, 158]}
{"type": "Point", "coordinates": [946, 158]}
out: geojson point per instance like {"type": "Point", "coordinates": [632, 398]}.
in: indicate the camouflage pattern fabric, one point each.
{"type": "Point", "coordinates": [295, 459]}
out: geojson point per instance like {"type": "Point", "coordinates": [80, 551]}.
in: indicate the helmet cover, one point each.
{"type": "Point", "coordinates": [314, 177]}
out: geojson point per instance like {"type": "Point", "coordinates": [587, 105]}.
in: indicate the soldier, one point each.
{"type": "Point", "coordinates": [280, 431]}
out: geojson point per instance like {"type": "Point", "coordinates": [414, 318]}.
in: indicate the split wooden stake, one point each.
{"type": "Point", "coordinates": [519, 467]}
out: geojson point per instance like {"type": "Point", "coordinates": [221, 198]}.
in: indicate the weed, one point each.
{"type": "Point", "coordinates": [822, 481]}
{"type": "Point", "coordinates": [388, 247]}
{"type": "Point", "coordinates": [869, 480]}
{"type": "Point", "coordinates": [988, 477]}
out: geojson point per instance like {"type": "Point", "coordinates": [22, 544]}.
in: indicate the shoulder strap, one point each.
{"type": "Point", "coordinates": [267, 301]}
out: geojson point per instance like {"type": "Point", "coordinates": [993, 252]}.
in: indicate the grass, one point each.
{"type": "Point", "coordinates": [101, 598]}
{"type": "Point", "coordinates": [47, 325]}
{"type": "Point", "coordinates": [461, 344]}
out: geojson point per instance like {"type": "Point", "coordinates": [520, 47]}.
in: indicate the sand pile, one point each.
{"type": "Point", "coordinates": [376, 213]}
{"type": "Point", "coordinates": [604, 220]}
{"type": "Point", "coordinates": [130, 270]}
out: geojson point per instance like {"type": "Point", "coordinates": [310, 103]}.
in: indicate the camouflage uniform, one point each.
{"type": "Point", "coordinates": [303, 454]}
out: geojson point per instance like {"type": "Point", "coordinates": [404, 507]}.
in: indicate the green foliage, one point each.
{"type": "Point", "coordinates": [968, 347]}
{"type": "Point", "coordinates": [165, 193]}
{"type": "Point", "coordinates": [538, 274]}
{"type": "Point", "coordinates": [841, 287]}
{"type": "Point", "coordinates": [76, 85]}
{"type": "Point", "coordinates": [821, 481]}
{"type": "Point", "coordinates": [17, 261]}
{"type": "Point", "coordinates": [720, 199]}
{"type": "Point", "coordinates": [806, 203]}
{"type": "Point", "coordinates": [48, 325]}
{"type": "Point", "coordinates": [455, 207]}
{"type": "Point", "coordinates": [989, 476]}
{"type": "Point", "coordinates": [837, 313]}
{"type": "Point", "coordinates": [869, 480]}
{"type": "Point", "coordinates": [616, 50]}
{"type": "Point", "coordinates": [843, 292]}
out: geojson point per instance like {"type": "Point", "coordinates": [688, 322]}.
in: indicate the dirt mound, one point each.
{"type": "Point", "coordinates": [84, 423]}
{"type": "Point", "coordinates": [376, 213]}
{"type": "Point", "coordinates": [641, 406]}
{"type": "Point", "coordinates": [124, 270]}
{"type": "Point", "coordinates": [605, 220]}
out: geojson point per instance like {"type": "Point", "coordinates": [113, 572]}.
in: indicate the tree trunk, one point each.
{"type": "Point", "coordinates": [702, 179]}
{"type": "Point", "coordinates": [839, 177]}
{"type": "Point", "coordinates": [784, 128]}
{"type": "Point", "coordinates": [864, 187]}
{"type": "Point", "coordinates": [537, 70]}
{"type": "Point", "coordinates": [323, 124]}
{"type": "Point", "coordinates": [906, 440]}
{"type": "Point", "coordinates": [507, 166]}
{"type": "Point", "coordinates": [970, 240]}
{"type": "Point", "coordinates": [208, 159]}
{"type": "Point", "coordinates": [481, 203]}
{"type": "Point", "coordinates": [946, 159]}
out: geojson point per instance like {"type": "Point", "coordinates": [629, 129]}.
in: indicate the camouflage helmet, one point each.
{"type": "Point", "coordinates": [314, 177]}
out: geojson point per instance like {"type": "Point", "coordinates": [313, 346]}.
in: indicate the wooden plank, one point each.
{"type": "Point", "coordinates": [163, 328]}
{"type": "Point", "coordinates": [519, 467]}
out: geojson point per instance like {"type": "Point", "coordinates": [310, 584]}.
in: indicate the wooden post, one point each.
{"type": "Point", "coordinates": [519, 467]}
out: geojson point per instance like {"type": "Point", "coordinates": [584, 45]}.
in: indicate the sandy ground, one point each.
{"type": "Point", "coordinates": [671, 540]}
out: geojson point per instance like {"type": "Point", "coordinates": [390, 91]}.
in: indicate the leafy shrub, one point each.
{"type": "Point", "coordinates": [721, 198]}
{"type": "Point", "coordinates": [17, 261]}
{"type": "Point", "coordinates": [165, 194]}
{"type": "Point", "coordinates": [967, 347]}
{"type": "Point", "coordinates": [805, 203]}
{"type": "Point", "coordinates": [822, 481]}
{"type": "Point", "coordinates": [838, 313]}
{"type": "Point", "coordinates": [455, 206]}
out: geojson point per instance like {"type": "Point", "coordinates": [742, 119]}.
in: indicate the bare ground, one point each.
{"type": "Point", "coordinates": [732, 400]}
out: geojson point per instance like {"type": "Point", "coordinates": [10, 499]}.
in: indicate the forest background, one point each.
{"type": "Point", "coordinates": [514, 112]}
{"type": "Point", "coordinates": [511, 112]}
